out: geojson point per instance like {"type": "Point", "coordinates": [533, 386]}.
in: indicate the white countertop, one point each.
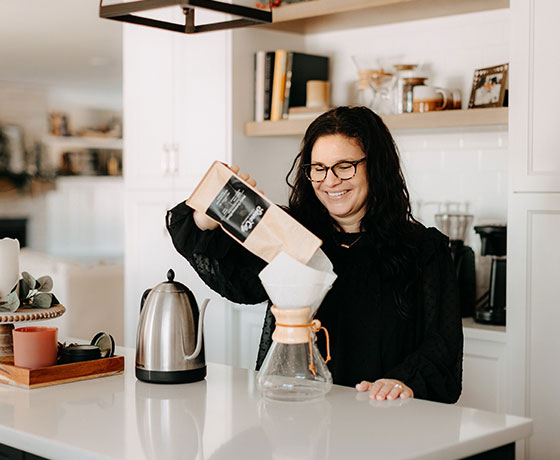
{"type": "Point", "coordinates": [224, 417]}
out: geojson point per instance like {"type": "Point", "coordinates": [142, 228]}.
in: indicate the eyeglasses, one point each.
{"type": "Point", "coordinates": [344, 170]}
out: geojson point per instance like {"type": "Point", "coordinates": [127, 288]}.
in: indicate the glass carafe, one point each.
{"type": "Point", "coordinates": [363, 95]}
{"type": "Point", "coordinates": [382, 83]}
{"type": "Point", "coordinates": [294, 369]}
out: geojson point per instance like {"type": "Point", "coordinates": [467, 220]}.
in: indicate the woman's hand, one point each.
{"type": "Point", "coordinates": [246, 177]}
{"type": "Point", "coordinates": [205, 222]}
{"type": "Point", "coordinates": [386, 389]}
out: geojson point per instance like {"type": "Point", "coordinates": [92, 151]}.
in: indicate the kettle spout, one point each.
{"type": "Point", "coordinates": [196, 351]}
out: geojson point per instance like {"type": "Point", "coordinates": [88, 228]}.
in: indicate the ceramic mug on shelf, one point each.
{"type": "Point", "coordinates": [456, 98]}
{"type": "Point", "coordinates": [35, 346]}
{"type": "Point", "coordinates": [318, 93]}
{"type": "Point", "coordinates": [428, 98]}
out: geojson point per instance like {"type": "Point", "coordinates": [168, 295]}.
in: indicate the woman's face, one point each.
{"type": "Point", "coordinates": [345, 200]}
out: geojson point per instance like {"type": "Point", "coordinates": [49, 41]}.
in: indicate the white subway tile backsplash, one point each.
{"type": "Point", "coordinates": [459, 161]}
{"type": "Point", "coordinates": [492, 159]}
{"type": "Point", "coordinates": [422, 160]}
{"type": "Point", "coordinates": [468, 167]}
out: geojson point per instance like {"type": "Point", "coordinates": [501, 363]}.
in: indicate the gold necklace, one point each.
{"type": "Point", "coordinates": [348, 246]}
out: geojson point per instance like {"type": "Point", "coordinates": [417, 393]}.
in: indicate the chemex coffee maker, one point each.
{"type": "Point", "coordinates": [456, 225]}
{"type": "Point", "coordinates": [491, 307]}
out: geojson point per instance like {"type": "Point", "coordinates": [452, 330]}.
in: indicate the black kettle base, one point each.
{"type": "Point", "coordinates": [496, 317]}
{"type": "Point", "coordinates": [186, 376]}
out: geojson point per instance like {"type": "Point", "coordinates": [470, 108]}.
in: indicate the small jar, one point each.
{"type": "Point", "coordinates": [402, 71]}
{"type": "Point", "coordinates": [407, 91]}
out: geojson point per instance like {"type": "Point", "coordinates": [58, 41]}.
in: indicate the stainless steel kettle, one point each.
{"type": "Point", "coordinates": [169, 339]}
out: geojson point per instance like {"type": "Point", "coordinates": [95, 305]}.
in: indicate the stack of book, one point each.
{"type": "Point", "coordinates": [280, 82]}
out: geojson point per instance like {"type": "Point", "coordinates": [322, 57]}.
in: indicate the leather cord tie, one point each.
{"type": "Point", "coordinates": [314, 326]}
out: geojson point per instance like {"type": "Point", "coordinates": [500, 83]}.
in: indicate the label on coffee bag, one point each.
{"type": "Point", "coordinates": [238, 208]}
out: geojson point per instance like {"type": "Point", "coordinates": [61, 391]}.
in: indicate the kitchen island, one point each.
{"type": "Point", "coordinates": [223, 417]}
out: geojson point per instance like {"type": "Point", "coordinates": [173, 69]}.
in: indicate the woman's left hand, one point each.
{"type": "Point", "coordinates": [386, 389]}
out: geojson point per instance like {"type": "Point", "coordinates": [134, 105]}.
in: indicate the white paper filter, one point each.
{"type": "Point", "coordinates": [291, 284]}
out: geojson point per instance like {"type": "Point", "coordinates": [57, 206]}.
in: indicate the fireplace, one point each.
{"type": "Point", "coordinates": [14, 228]}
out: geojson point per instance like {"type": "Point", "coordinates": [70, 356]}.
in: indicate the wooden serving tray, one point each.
{"type": "Point", "coordinates": [61, 373]}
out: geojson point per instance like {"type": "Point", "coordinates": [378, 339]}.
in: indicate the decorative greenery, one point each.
{"type": "Point", "coordinates": [30, 292]}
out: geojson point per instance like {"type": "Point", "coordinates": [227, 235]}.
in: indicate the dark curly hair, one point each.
{"type": "Point", "coordinates": [388, 221]}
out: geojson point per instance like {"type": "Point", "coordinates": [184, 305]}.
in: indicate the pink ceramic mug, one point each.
{"type": "Point", "coordinates": [35, 346]}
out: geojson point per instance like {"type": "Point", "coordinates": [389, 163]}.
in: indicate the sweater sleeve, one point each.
{"type": "Point", "coordinates": [222, 263]}
{"type": "Point", "coordinates": [434, 369]}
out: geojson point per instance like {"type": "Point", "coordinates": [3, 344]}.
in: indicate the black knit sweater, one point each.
{"type": "Point", "coordinates": [369, 339]}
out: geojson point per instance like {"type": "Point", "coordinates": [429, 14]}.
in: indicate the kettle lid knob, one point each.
{"type": "Point", "coordinates": [170, 275]}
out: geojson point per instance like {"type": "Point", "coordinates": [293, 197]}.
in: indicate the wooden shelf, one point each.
{"type": "Point", "coordinates": [327, 15]}
{"type": "Point", "coordinates": [430, 120]}
{"type": "Point", "coordinates": [77, 142]}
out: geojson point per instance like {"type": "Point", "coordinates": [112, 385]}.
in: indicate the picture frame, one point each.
{"type": "Point", "coordinates": [489, 87]}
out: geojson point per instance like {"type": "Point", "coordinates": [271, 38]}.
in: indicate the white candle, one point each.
{"type": "Point", "coordinates": [9, 266]}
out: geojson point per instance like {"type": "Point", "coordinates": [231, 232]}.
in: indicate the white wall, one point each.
{"type": "Point", "coordinates": [449, 48]}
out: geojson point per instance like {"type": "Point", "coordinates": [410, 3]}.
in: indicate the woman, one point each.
{"type": "Point", "coordinates": [392, 314]}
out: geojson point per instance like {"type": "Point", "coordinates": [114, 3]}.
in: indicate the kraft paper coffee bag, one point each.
{"type": "Point", "coordinates": [250, 218]}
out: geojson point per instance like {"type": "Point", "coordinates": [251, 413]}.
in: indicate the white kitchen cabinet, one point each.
{"type": "Point", "coordinates": [175, 125]}
{"type": "Point", "coordinates": [148, 102]}
{"type": "Point", "coordinates": [534, 222]}
{"type": "Point", "coordinates": [85, 218]}
{"type": "Point", "coordinates": [484, 368]}
{"type": "Point", "coordinates": [535, 119]}
{"type": "Point", "coordinates": [247, 323]}
{"type": "Point", "coordinates": [175, 100]}
{"type": "Point", "coordinates": [533, 280]}
{"type": "Point", "coordinates": [201, 109]}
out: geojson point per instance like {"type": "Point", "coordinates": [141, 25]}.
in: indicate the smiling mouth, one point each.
{"type": "Point", "coordinates": [337, 194]}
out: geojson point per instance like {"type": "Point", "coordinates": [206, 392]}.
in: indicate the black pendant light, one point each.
{"type": "Point", "coordinates": [125, 11]}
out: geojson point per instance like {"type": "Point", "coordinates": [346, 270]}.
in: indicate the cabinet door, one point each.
{"type": "Point", "coordinates": [70, 229]}
{"type": "Point", "coordinates": [484, 375]}
{"type": "Point", "coordinates": [534, 316]}
{"type": "Point", "coordinates": [201, 108]}
{"type": "Point", "coordinates": [247, 323]}
{"type": "Point", "coordinates": [534, 118]}
{"type": "Point", "coordinates": [147, 100]}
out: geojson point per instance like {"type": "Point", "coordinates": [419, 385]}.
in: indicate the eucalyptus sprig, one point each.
{"type": "Point", "coordinates": [30, 292]}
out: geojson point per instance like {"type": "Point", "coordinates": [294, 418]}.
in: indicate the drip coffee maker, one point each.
{"type": "Point", "coordinates": [456, 226]}
{"type": "Point", "coordinates": [294, 369]}
{"type": "Point", "coordinates": [491, 307]}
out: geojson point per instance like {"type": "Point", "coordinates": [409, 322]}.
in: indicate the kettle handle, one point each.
{"type": "Point", "coordinates": [196, 351]}
{"type": "Point", "coordinates": [144, 296]}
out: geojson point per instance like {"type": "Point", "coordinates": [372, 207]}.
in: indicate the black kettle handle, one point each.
{"type": "Point", "coordinates": [144, 296]}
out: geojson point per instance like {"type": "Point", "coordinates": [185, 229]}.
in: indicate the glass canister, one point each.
{"type": "Point", "coordinates": [381, 83]}
{"type": "Point", "coordinates": [294, 369]}
{"type": "Point", "coordinates": [407, 90]}
{"type": "Point", "coordinates": [402, 71]}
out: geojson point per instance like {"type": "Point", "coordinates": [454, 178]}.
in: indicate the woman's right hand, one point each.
{"type": "Point", "coordinates": [205, 222]}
